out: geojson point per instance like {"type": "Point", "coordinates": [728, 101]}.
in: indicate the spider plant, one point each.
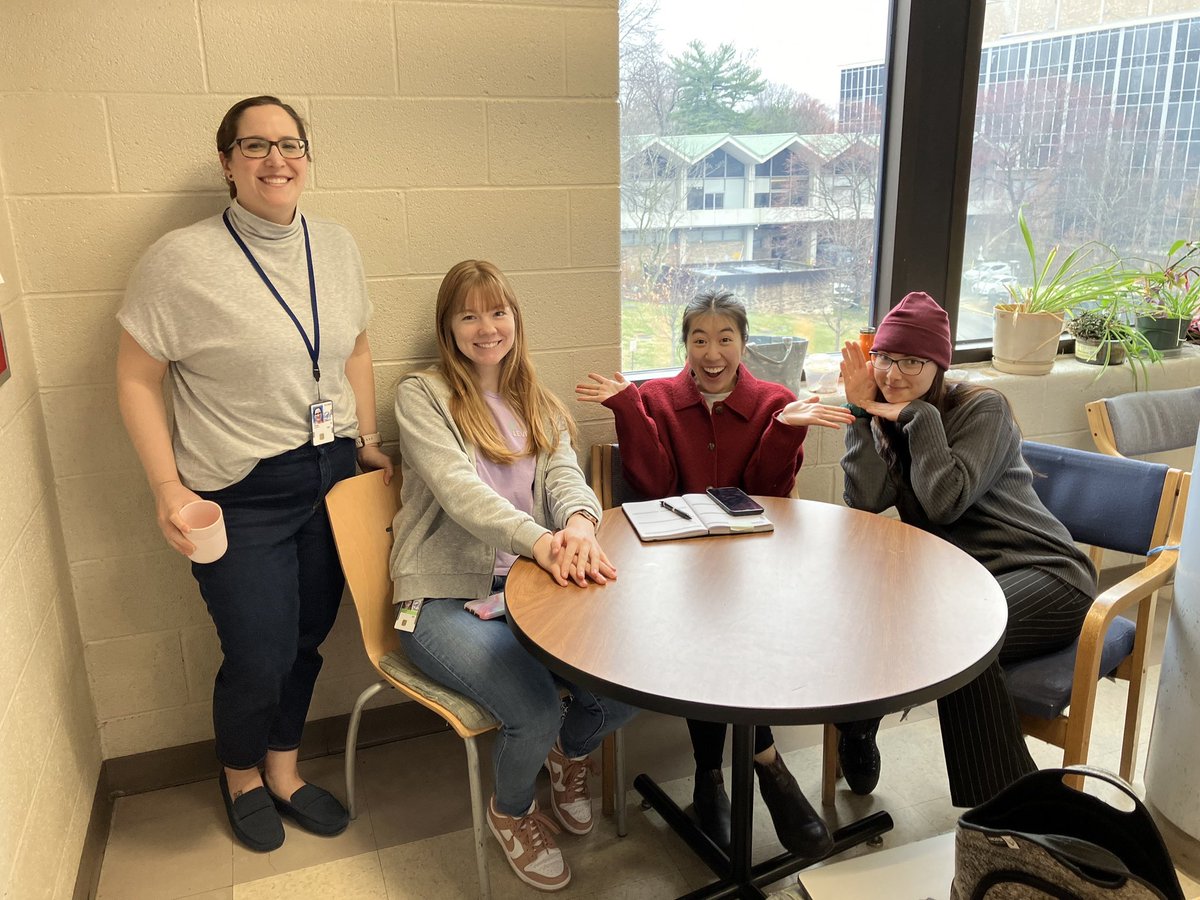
{"type": "Point", "coordinates": [1059, 285]}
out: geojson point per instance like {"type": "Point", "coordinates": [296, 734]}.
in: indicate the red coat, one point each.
{"type": "Point", "coordinates": [672, 444]}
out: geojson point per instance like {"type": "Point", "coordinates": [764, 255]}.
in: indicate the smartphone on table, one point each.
{"type": "Point", "coordinates": [735, 501]}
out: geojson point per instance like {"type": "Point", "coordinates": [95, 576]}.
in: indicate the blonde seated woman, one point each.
{"type": "Point", "coordinates": [490, 475]}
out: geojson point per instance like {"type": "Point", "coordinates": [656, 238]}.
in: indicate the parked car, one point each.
{"type": "Point", "coordinates": [987, 271]}
{"type": "Point", "coordinates": [994, 288]}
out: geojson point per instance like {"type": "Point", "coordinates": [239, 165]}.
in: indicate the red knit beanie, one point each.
{"type": "Point", "coordinates": [916, 326]}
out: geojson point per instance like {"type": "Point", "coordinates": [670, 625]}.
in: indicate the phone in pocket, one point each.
{"type": "Point", "coordinates": [735, 501]}
{"type": "Point", "coordinates": [490, 607]}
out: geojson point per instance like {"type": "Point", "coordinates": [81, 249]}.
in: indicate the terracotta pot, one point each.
{"type": "Point", "coordinates": [1024, 343]}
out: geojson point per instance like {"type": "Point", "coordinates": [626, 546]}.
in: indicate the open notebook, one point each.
{"type": "Point", "coordinates": [653, 522]}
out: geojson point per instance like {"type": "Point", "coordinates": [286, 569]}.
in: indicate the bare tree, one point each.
{"type": "Point", "coordinates": [653, 206]}
{"type": "Point", "coordinates": [647, 83]}
{"type": "Point", "coordinates": [778, 108]}
{"type": "Point", "coordinates": [843, 193]}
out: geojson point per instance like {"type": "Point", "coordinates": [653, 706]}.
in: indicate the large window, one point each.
{"type": "Point", "coordinates": [745, 166]}
{"type": "Point", "coordinates": [1091, 127]}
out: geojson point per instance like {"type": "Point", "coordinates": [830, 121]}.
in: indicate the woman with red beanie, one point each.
{"type": "Point", "coordinates": [948, 457]}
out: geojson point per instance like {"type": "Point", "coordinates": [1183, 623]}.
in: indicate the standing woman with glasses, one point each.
{"type": "Point", "coordinates": [259, 317]}
{"type": "Point", "coordinates": [948, 457]}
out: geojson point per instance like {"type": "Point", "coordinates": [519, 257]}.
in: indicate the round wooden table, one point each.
{"type": "Point", "coordinates": [835, 616]}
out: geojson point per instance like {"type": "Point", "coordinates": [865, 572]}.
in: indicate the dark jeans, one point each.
{"type": "Point", "coordinates": [273, 596]}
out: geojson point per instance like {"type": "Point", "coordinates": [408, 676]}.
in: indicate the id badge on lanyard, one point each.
{"type": "Point", "coordinates": [320, 414]}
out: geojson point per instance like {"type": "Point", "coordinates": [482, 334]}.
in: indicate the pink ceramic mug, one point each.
{"type": "Point", "coordinates": [207, 533]}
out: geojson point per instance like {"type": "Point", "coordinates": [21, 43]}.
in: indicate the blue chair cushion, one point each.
{"type": "Point", "coordinates": [1041, 686]}
{"type": "Point", "coordinates": [1102, 500]}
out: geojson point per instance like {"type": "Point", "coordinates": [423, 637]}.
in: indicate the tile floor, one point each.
{"type": "Point", "coordinates": [412, 838]}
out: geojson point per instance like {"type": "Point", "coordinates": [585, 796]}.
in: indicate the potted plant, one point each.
{"type": "Point", "coordinates": [1104, 336]}
{"type": "Point", "coordinates": [1170, 297]}
{"type": "Point", "coordinates": [1026, 331]}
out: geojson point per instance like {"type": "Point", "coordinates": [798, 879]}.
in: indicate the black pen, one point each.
{"type": "Point", "coordinates": [679, 512]}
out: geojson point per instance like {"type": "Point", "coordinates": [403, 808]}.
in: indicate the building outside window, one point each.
{"type": "Point", "coordinates": [737, 173]}
{"type": "Point", "coordinates": [1093, 128]}
{"type": "Point", "coordinates": [1089, 121]}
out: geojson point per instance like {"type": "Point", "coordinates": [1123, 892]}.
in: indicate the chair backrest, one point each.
{"type": "Point", "coordinates": [1145, 421]}
{"type": "Point", "coordinates": [1110, 502]}
{"type": "Point", "coordinates": [361, 510]}
{"type": "Point", "coordinates": [608, 477]}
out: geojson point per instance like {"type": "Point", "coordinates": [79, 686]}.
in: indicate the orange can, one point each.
{"type": "Point", "coordinates": [866, 340]}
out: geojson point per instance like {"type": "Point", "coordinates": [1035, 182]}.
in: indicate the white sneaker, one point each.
{"type": "Point", "coordinates": [529, 847]}
{"type": "Point", "coordinates": [570, 798]}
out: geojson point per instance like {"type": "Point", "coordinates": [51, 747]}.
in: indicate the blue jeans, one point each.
{"type": "Point", "coordinates": [273, 596]}
{"type": "Point", "coordinates": [482, 660]}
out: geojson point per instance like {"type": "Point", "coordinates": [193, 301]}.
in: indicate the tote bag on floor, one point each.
{"type": "Point", "coordinates": [1039, 839]}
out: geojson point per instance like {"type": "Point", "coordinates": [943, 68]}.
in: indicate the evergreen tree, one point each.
{"type": "Point", "coordinates": [714, 89]}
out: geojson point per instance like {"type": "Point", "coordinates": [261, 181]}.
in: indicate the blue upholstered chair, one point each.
{"type": "Point", "coordinates": [1118, 504]}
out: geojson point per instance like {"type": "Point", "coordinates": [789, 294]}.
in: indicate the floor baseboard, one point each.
{"type": "Point", "coordinates": [188, 763]}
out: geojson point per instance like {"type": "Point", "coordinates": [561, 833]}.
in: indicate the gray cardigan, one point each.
{"type": "Point", "coordinates": [451, 523]}
{"type": "Point", "coordinates": [964, 480]}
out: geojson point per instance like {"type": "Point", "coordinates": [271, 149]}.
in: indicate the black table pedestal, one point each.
{"type": "Point", "coordinates": [737, 877]}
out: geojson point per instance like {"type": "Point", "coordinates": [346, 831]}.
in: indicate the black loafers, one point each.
{"type": "Point", "coordinates": [253, 818]}
{"type": "Point", "coordinates": [712, 807]}
{"type": "Point", "coordinates": [859, 755]}
{"type": "Point", "coordinates": [314, 809]}
{"type": "Point", "coordinates": [797, 824]}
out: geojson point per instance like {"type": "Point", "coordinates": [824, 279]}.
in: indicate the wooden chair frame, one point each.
{"type": "Point", "coordinates": [361, 510]}
{"type": "Point", "coordinates": [1072, 730]}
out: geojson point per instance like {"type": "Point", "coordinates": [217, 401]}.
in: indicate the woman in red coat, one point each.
{"type": "Point", "coordinates": [716, 425]}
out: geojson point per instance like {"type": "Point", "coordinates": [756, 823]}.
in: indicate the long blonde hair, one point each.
{"type": "Point", "coordinates": [542, 413]}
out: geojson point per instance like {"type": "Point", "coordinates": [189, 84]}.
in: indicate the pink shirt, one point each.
{"type": "Point", "coordinates": [514, 481]}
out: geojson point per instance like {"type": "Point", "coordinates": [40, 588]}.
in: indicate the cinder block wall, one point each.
{"type": "Point", "coordinates": [49, 748]}
{"type": "Point", "coordinates": [440, 131]}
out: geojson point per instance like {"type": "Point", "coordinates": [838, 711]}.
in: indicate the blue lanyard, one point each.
{"type": "Point", "coordinates": [314, 346]}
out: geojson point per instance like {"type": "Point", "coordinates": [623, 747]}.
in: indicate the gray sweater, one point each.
{"type": "Point", "coordinates": [451, 523]}
{"type": "Point", "coordinates": [964, 480]}
{"type": "Point", "coordinates": [239, 375]}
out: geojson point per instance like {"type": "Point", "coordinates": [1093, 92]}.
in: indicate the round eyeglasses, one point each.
{"type": "Point", "coordinates": [908, 365]}
{"type": "Point", "coordinates": [260, 148]}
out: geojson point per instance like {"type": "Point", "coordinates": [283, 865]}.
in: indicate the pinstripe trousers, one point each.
{"type": "Point", "coordinates": [981, 734]}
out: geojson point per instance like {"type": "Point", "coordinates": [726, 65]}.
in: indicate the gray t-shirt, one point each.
{"type": "Point", "coordinates": [241, 378]}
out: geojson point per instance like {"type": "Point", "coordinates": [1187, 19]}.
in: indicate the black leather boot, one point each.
{"type": "Point", "coordinates": [797, 824]}
{"type": "Point", "coordinates": [859, 755]}
{"type": "Point", "coordinates": [712, 806]}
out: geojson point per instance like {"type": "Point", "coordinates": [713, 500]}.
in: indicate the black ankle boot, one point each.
{"type": "Point", "coordinates": [712, 806]}
{"type": "Point", "coordinates": [859, 755]}
{"type": "Point", "coordinates": [797, 824]}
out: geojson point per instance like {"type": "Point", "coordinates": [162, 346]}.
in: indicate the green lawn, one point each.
{"type": "Point", "coordinates": [648, 339]}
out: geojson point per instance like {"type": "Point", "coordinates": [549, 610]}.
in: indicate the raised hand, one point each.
{"type": "Point", "coordinates": [812, 411]}
{"type": "Point", "coordinates": [600, 388]}
{"type": "Point", "coordinates": [857, 377]}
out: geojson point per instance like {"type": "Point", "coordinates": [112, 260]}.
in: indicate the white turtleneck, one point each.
{"type": "Point", "coordinates": [240, 375]}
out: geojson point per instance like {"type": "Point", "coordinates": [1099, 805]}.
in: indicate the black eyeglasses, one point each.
{"type": "Point", "coordinates": [908, 366]}
{"type": "Point", "coordinates": [260, 148]}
